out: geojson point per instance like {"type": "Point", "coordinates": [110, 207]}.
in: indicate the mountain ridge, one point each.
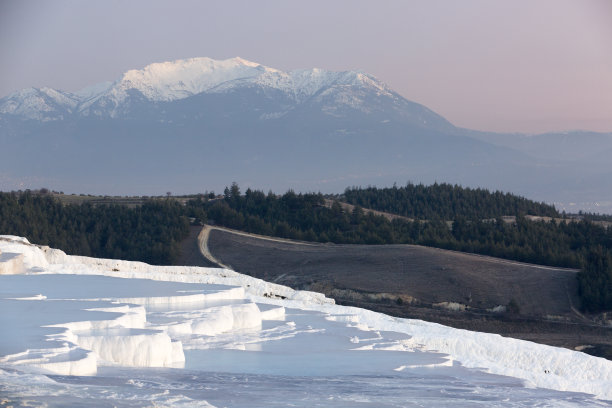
{"type": "Point", "coordinates": [157, 84]}
{"type": "Point", "coordinates": [180, 79]}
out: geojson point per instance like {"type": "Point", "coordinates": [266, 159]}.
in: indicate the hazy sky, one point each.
{"type": "Point", "coordinates": [516, 65]}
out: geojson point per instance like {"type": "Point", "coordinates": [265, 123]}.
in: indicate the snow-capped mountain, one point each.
{"type": "Point", "coordinates": [170, 81]}
{"type": "Point", "coordinates": [181, 79]}
{"type": "Point", "coordinates": [201, 123]}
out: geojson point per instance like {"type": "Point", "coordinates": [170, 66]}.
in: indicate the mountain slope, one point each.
{"type": "Point", "coordinates": [173, 81]}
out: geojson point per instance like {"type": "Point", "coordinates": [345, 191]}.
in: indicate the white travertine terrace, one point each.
{"type": "Point", "coordinates": [72, 315]}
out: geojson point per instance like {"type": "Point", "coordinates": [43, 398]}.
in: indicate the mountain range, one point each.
{"type": "Point", "coordinates": [198, 124]}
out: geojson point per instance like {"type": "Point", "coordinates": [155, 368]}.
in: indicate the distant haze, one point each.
{"type": "Point", "coordinates": [512, 66]}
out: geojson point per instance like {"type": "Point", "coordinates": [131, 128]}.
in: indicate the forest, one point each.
{"type": "Point", "coordinates": [444, 201]}
{"type": "Point", "coordinates": [150, 233]}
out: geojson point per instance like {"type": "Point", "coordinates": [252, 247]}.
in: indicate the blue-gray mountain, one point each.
{"type": "Point", "coordinates": [190, 125]}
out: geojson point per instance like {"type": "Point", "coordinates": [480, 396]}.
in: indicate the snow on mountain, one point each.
{"type": "Point", "coordinates": [171, 81]}
{"type": "Point", "coordinates": [42, 104]}
{"type": "Point", "coordinates": [168, 81]}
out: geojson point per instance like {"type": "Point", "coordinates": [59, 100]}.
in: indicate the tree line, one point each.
{"type": "Point", "coordinates": [445, 201]}
{"type": "Point", "coordinates": [150, 233]}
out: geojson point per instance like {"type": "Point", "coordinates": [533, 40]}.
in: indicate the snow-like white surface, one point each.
{"type": "Point", "coordinates": [179, 79]}
{"type": "Point", "coordinates": [169, 81]}
{"type": "Point", "coordinates": [10, 263]}
{"type": "Point", "coordinates": [86, 316]}
{"type": "Point", "coordinates": [174, 80]}
{"type": "Point", "coordinates": [40, 104]}
{"type": "Point", "coordinates": [109, 318]}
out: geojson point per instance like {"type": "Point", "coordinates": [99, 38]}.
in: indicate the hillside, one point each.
{"type": "Point", "coordinates": [455, 289]}
{"type": "Point", "coordinates": [449, 217]}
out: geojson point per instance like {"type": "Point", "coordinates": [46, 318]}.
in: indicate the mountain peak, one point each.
{"type": "Point", "coordinates": [179, 79]}
{"type": "Point", "coordinates": [240, 60]}
{"type": "Point", "coordinates": [198, 65]}
{"type": "Point", "coordinates": [166, 81]}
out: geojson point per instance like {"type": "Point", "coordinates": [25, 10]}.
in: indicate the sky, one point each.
{"type": "Point", "coordinates": [509, 66]}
